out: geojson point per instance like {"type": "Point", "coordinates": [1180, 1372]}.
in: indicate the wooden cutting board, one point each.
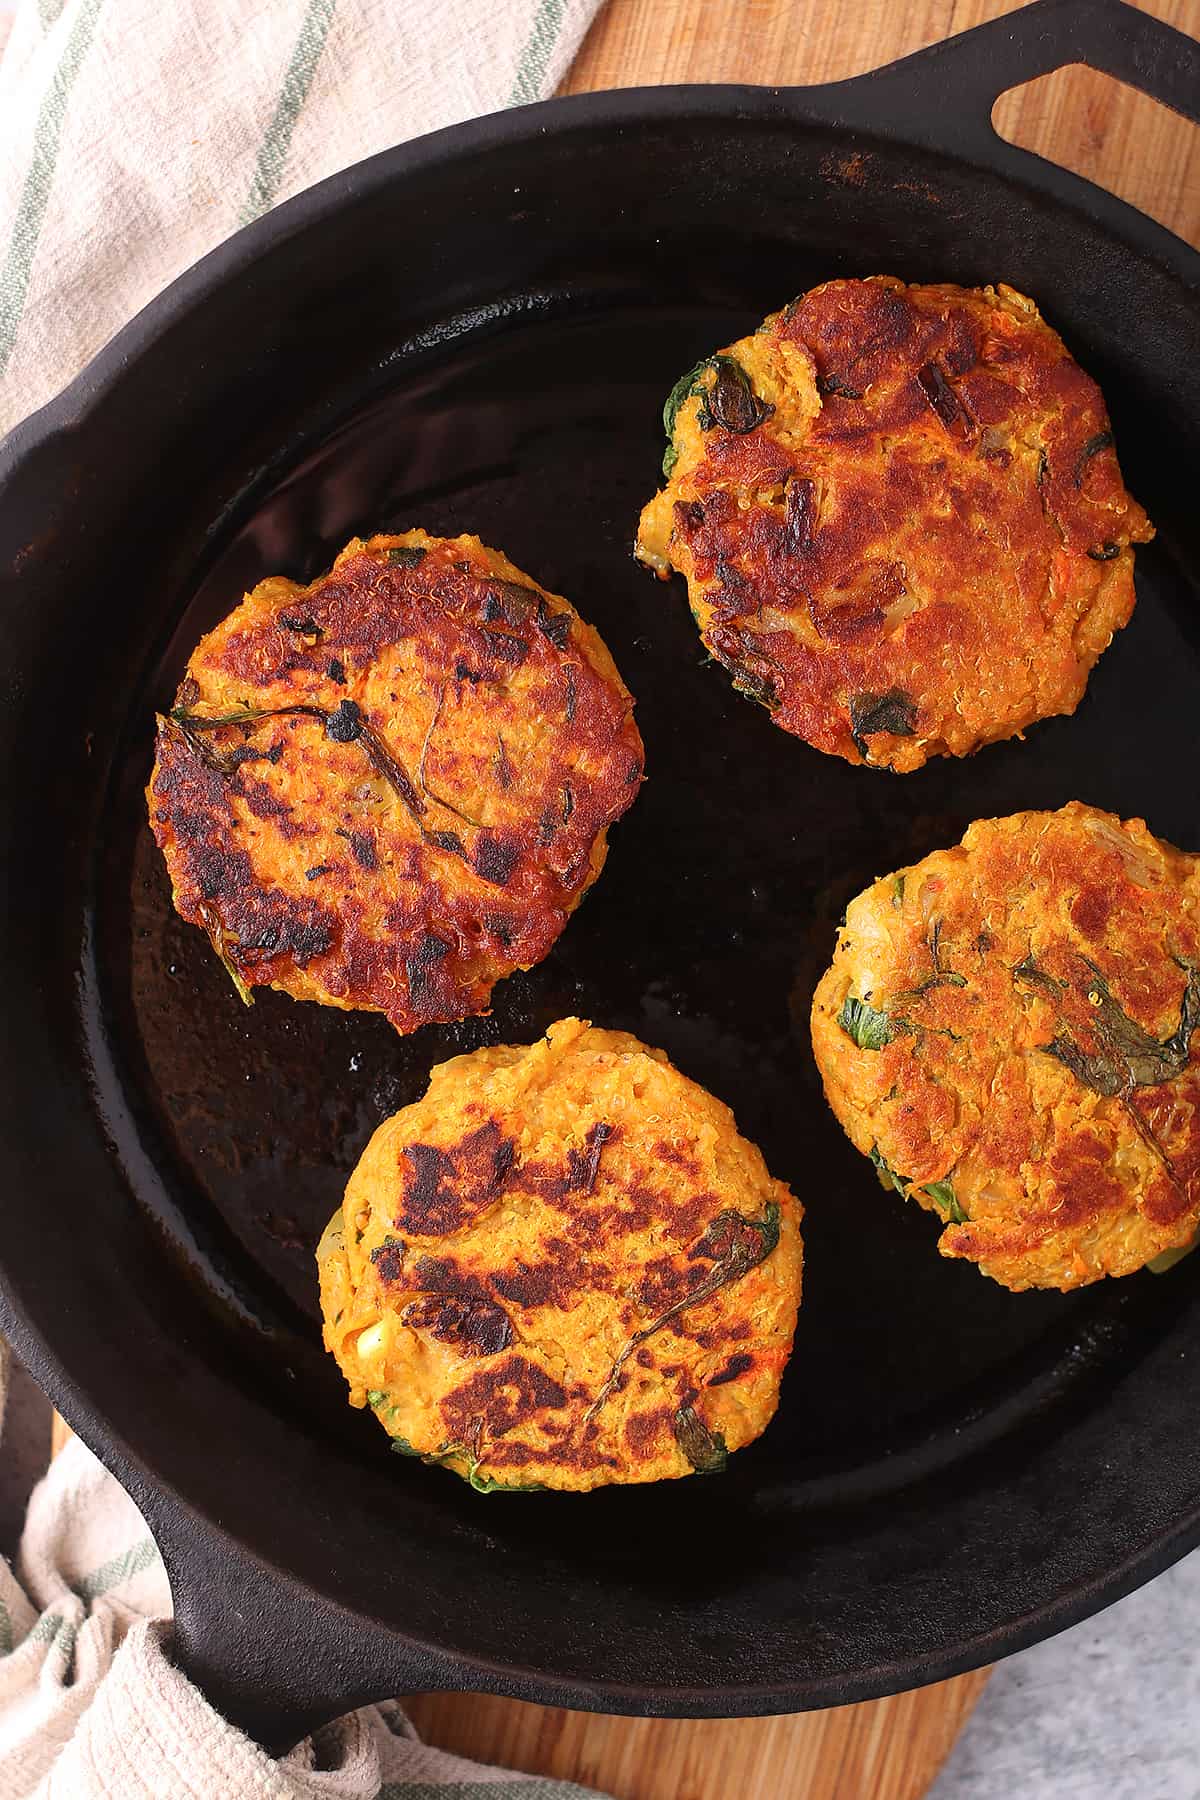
{"type": "Point", "coordinates": [887, 1749]}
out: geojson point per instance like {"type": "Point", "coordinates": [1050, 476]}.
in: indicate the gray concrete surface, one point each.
{"type": "Point", "coordinates": [1109, 1710]}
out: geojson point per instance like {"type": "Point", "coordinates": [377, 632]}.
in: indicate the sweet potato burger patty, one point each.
{"type": "Point", "coordinates": [1007, 1032]}
{"type": "Point", "coordinates": [900, 517]}
{"type": "Point", "coordinates": [562, 1268]}
{"type": "Point", "coordinates": [389, 789]}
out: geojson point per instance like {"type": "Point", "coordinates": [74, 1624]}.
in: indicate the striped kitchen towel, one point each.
{"type": "Point", "coordinates": [136, 134]}
{"type": "Point", "coordinates": [91, 1707]}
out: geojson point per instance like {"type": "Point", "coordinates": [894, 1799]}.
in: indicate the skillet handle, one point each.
{"type": "Point", "coordinates": [944, 96]}
{"type": "Point", "coordinates": [273, 1658]}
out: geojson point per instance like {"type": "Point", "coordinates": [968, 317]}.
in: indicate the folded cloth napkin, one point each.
{"type": "Point", "coordinates": [91, 1705]}
{"type": "Point", "coordinates": [136, 134]}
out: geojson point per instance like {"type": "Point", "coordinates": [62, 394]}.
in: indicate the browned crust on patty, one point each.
{"type": "Point", "coordinates": [563, 1267]}
{"type": "Point", "coordinates": [923, 543]}
{"type": "Point", "coordinates": [1034, 1080]}
{"type": "Point", "coordinates": [427, 795]}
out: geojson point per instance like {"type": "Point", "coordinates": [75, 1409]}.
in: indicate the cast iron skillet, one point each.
{"type": "Point", "coordinates": [476, 331]}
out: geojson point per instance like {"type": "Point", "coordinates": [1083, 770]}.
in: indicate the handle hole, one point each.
{"type": "Point", "coordinates": [1105, 130]}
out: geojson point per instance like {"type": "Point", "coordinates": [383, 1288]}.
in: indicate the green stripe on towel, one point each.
{"type": "Point", "coordinates": [118, 1569]}
{"type": "Point", "coordinates": [273, 151]}
{"type": "Point", "coordinates": [535, 58]}
{"type": "Point", "coordinates": [35, 196]}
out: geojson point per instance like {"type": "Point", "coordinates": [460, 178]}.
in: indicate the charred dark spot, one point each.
{"type": "Point", "coordinates": [336, 670]}
{"type": "Point", "coordinates": [983, 941]}
{"type": "Point", "coordinates": [446, 840]}
{"type": "Point", "coordinates": [238, 757]}
{"type": "Point", "coordinates": [1105, 552]}
{"type": "Point", "coordinates": [731, 578]}
{"type": "Point", "coordinates": [800, 516]}
{"type": "Point", "coordinates": [510, 601]}
{"type": "Point", "coordinates": [362, 848]}
{"type": "Point", "coordinates": [1090, 910]}
{"type": "Point", "coordinates": [643, 1431]}
{"type": "Point", "coordinates": [663, 1282]}
{"type": "Point", "coordinates": [427, 1199]}
{"type": "Point", "coordinates": [318, 869]}
{"type": "Point", "coordinates": [345, 723]}
{"type": "Point", "coordinates": [407, 556]}
{"type": "Point", "coordinates": [502, 644]}
{"type": "Point", "coordinates": [216, 871]}
{"type": "Point", "coordinates": [472, 1327]}
{"type": "Point", "coordinates": [443, 1275]}
{"type": "Point", "coordinates": [304, 942]}
{"type": "Point", "coordinates": [677, 1157]}
{"type": "Point", "coordinates": [689, 514]}
{"type": "Point", "coordinates": [570, 1453]}
{"type": "Point", "coordinates": [556, 626]}
{"type": "Point", "coordinates": [420, 966]}
{"type": "Point", "coordinates": [894, 712]}
{"type": "Point", "coordinates": [503, 1160]}
{"type": "Point", "coordinates": [449, 1188]}
{"type": "Point", "coordinates": [500, 928]}
{"type": "Point", "coordinates": [836, 386]}
{"type": "Point", "coordinates": [565, 1271]}
{"type": "Point", "coordinates": [463, 673]}
{"type": "Point", "coordinates": [496, 857]}
{"type": "Point", "coordinates": [388, 1259]}
{"type": "Point", "coordinates": [189, 692]}
{"type": "Point", "coordinates": [503, 768]}
{"type": "Point", "coordinates": [304, 627]}
{"type": "Point", "coordinates": [500, 1398]}
{"type": "Point", "coordinates": [264, 942]}
{"type": "Point", "coordinates": [275, 754]}
{"type": "Point", "coordinates": [261, 801]}
{"type": "Point", "coordinates": [737, 1365]}
{"type": "Point", "coordinates": [943, 399]}
{"type": "Point", "coordinates": [584, 1165]}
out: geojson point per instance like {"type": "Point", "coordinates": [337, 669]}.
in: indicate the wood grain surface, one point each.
{"type": "Point", "coordinates": [884, 1750]}
{"type": "Point", "coordinates": [888, 1749]}
{"type": "Point", "coordinates": [1084, 120]}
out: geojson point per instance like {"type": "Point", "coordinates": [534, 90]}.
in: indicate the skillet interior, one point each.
{"type": "Point", "coordinates": [953, 1469]}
